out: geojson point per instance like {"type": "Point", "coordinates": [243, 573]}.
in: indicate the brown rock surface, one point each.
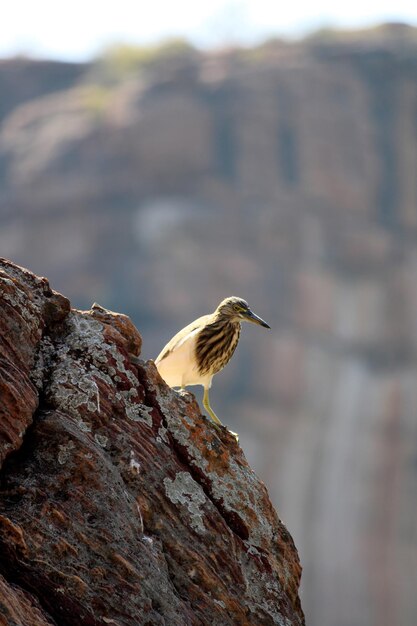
{"type": "Point", "coordinates": [20, 608]}
{"type": "Point", "coordinates": [120, 503]}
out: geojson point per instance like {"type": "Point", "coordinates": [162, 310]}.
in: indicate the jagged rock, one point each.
{"type": "Point", "coordinates": [120, 503]}
{"type": "Point", "coordinates": [23, 79]}
{"type": "Point", "coordinates": [20, 608]}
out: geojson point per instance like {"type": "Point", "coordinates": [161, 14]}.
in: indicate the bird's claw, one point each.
{"type": "Point", "coordinates": [221, 426]}
{"type": "Point", "coordinates": [235, 435]}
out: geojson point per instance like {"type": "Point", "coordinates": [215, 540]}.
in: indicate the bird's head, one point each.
{"type": "Point", "coordinates": [237, 310]}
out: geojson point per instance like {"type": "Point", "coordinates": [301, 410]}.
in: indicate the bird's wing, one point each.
{"type": "Point", "coordinates": [182, 336]}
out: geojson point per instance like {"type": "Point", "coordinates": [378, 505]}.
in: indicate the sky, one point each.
{"type": "Point", "coordinates": [83, 28]}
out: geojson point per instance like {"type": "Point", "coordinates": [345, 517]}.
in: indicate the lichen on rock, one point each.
{"type": "Point", "coordinates": [119, 502]}
{"type": "Point", "coordinates": [184, 490]}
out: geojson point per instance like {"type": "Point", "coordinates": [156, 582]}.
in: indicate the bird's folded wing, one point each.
{"type": "Point", "coordinates": [181, 337]}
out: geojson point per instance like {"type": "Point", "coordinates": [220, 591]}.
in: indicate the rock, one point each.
{"type": "Point", "coordinates": [20, 608]}
{"type": "Point", "coordinates": [120, 503]}
{"type": "Point", "coordinates": [22, 79]}
{"type": "Point", "coordinates": [27, 305]}
{"type": "Point", "coordinates": [122, 325]}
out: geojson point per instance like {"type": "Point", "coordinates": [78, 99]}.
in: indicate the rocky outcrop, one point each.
{"type": "Point", "coordinates": [23, 79]}
{"type": "Point", "coordinates": [120, 503]}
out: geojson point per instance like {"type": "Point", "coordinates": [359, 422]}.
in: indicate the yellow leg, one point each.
{"type": "Point", "coordinates": [206, 402]}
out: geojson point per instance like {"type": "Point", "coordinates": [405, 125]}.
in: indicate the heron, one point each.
{"type": "Point", "coordinates": [203, 348]}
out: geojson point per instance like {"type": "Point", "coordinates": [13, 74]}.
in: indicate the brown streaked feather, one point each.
{"type": "Point", "coordinates": [215, 345]}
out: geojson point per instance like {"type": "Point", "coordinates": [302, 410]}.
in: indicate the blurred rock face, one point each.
{"type": "Point", "coordinates": [285, 175]}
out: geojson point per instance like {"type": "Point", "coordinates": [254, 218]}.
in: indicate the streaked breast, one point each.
{"type": "Point", "coordinates": [215, 346]}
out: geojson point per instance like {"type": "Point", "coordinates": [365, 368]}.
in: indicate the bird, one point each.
{"type": "Point", "coordinates": [202, 349]}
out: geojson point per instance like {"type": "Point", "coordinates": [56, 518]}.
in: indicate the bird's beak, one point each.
{"type": "Point", "coordinates": [251, 317]}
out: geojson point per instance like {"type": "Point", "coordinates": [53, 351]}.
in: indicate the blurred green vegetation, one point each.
{"type": "Point", "coordinates": [379, 31]}
{"type": "Point", "coordinates": [120, 62]}
{"type": "Point", "coordinates": [123, 61]}
{"type": "Point", "coordinates": [96, 98]}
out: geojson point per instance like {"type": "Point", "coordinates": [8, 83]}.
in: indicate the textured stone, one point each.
{"type": "Point", "coordinates": [27, 304]}
{"type": "Point", "coordinates": [19, 608]}
{"type": "Point", "coordinates": [120, 503]}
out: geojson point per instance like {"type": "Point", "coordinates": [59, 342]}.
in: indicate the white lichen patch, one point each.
{"type": "Point", "coordinates": [134, 464]}
{"type": "Point", "coordinates": [162, 436]}
{"type": "Point", "coordinates": [84, 426]}
{"type": "Point", "coordinates": [133, 412]}
{"type": "Point", "coordinates": [136, 411]}
{"type": "Point", "coordinates": [219, 603]}
{"type": "Point", "coordinates": [106, 363]}
{"type": "Point", "coordinates": [147, 540]}
{"type": "Point", "coordinates": [72, 387]}
{"type": "Point", "coordinates": [238, 500]}
{"type": "Point", "coordinates": [19, 300]}
{"type": "Point", "coordinates": [43, 360]}
{"type": "Point", "coordinates": [184, 490]}
{"type": "Point", "coordinates": [65, 451]}
{"type": "Point", "coordinates": [83, 331]}
{"type": "Point", "coordinates": [101, 440]}
{"type": "Point", "coordinates": [85, 336]}
{"type": "Point", "coordinates": [263, 589]}
{"type": "Point", "coordinates": [239, 491]}
{"type": "Point", "coordinates": [181, 435]}
{"type": "Point", "coordinates": [85, 373]}
{"type": "Point", "coordinates": [251, 549]}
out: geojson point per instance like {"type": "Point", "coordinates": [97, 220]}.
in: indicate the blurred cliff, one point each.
{"type": "Point", "coordinates": [156, 182]}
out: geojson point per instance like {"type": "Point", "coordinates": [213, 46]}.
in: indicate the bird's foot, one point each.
{"type": "Point", "coordinates": [182, 391]}
{"type": "Point", "coordinates": [219, 427]}
{"type": "Point", "coordinates": [235, 435]}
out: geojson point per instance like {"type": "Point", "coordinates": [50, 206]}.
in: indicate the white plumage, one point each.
{"type": "Point", "coordinates": [179, 367]}
{"type": "Point", "coordinates": [201, 349]}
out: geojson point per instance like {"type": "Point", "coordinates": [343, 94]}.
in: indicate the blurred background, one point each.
{"type": "Point", "coordinates": [156, 160]}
